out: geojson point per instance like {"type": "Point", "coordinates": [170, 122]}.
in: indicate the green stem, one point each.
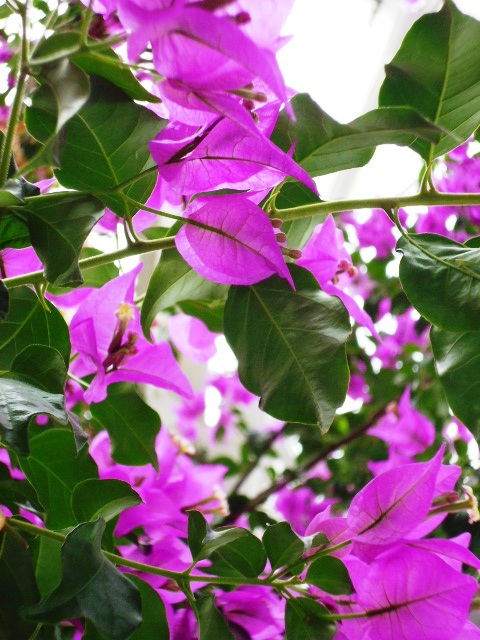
{"type": "Point", "coordinates": [135, 249]}
{"type": "Point", "coordinates": [17, 102]}
{"type": "Point", "coordinates": [421, 199]}
{"type": "Point", "coordinates": [140, 566]}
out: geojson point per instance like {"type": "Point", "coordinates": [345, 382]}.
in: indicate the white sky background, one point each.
{"type": "Point", "coordinates": [337, 54]}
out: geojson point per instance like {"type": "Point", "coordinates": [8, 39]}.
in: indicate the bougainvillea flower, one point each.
{"type": "Point", "coordinates": [222, 155]}
{"type": "Point", "coordinates": [411, 593]}
{"type": "Point", "coordinates": [191, 337]}
{"type": "Point", "coordinates": [199, 48]}
{"type": "Point", "coordinates": [325, 256]}
{"type": "Point", "coordinates": [406, 430]}
{"type": "Point", "coordinates": [254, 610]}
{"type": "Point", "coordinates": [394, 503]}
{"type": "Point", "coordinates": [233, 242]}
{"type": "Point", "coordinates": [105, 331]}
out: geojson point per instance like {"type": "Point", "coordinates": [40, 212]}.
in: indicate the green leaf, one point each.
{"type": "Point", "coordinates": [65, 89]}
{"type": "Point", "coordinates": [63, 222]}
{"type": "Point", "coordinates": [109, 66]}
{"type": "Point", "coordinates": [243, 556]}
{"type": "Point", "coordinates": [17, 587]}
{"type": "Point", "coordinates": [54, 468]}
{"type": "Point", "coordinates": [203, 541]}
{"type": "Point", "coordinates": [441, 278]}
{"type": "Point", "coordinates": [211, 622]}
{"type": "Point", "coordinates": [57, 46]}
{"type": "Point", "coordinates": [41, 366]}
{"type": "Point", "coordinates": [154, 618]}
{"type": "Point", "coordinates": [80, 437]}
{"type": "Point", "coordinates": [282, 545]}
{"type": "Point", "coordinates": [48, 569]}
{"type": "Point", "coordinates": [98, 154]}
{"type": "Point", "coordinates": [91, 587]}
{"type": "Point", "coordinates": [291, 347]}
{"type": "Point", "coordinates": [132, 425]}
{"type": "Point", "coordinates": [330, 575]}
{"type": "Point", "coordinates": [19, 402]}
{"type": "Point", "coordinates": [13, 231]}
{"type": "Point", "coordinates": [457, 360]}
{"type": "Point", "coordinates": [4, 302]}
{"type": "Point", "coordinates": [307, 620]}
{"type": "Point", "coordinates": [324, 146]}
{"type": "Point", "coordinates": [209, 312]}
{"type": "Point", "coordinates": [437, 72]}
{"type": "Point", "coordinates": [94, 498]}
{"type": "Point", "coordinates": [30, 323]}
{"type": "Point", "coordinates": [93, 277]}
{"type": "Point", "coordinates": [174, 281]}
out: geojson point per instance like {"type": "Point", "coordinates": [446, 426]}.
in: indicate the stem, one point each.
{"type": "Point", "coordinates": [17, 103]}
{"type": "Point", "coordinates": [293, 474]}
{"type": "Point", "coordinates": [421, 199]}
{"type": "Point", "coordinates": [135, 249]}
{"type": "Point", "coordinates": [267, 445]}
{"type": "Point", "coordinates": [140, 566]}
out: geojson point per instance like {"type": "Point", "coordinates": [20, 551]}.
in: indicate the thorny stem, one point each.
{"type": "Point", "coordinates": [428, 198]}
{"type": "Point", "coordinates": [135, 249]}
{"type": "Point", "coordinates": [292, 474]}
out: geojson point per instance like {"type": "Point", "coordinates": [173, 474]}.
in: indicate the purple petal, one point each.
{"type": "Point", "coordinates": [192, 338]}
{"type": "Point", "coordinates": [394, 503]}
{"type": "Point", "coordinates": [223, 156]}
{"type": "Point", "coordinates": [243, 250]}
{"type": "Point", "coordinates": [413, 594]}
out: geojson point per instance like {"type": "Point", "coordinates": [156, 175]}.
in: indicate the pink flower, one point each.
{"type": "Point", "coordinates": [326, 257]}
{"type": "Point", "coordinates": [106, 333]}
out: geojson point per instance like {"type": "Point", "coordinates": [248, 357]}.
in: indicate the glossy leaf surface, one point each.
{"type": "Point", "coordinates": [437, 72]}
{"type": "Point", "coordinates": [270, 331]}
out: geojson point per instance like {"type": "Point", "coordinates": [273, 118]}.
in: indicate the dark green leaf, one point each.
{"type": "Point", "coordinates": [211, 622]}
{"type": "Point", "coordinates": [243, 556]}
{"type": "Point", "coordinates": [197, 530]}
{"type": "Point", "coordinates": [132, 425]}
{"type": "Point", "coordinates": [20, 189]}
{"type": "Point", "coordinates": [41, 366]}
{"type": "Point", "coordinates": [109, 66]}
{"type": "Point", "coordinates": [174, 281]}
{"type": "Point", "coordinates": [210, 313]}
{"type": "Point", "coordinates": [17, 587]}
{"type": "Point", "coordinates": [437, 72]}
{"type": "Point", "coordinates": [203, 541]}
{"type": "Point", "coordinates": [13, 231]}
{"type": "Point", "coordinates": [58, 45]}
{"type": "Point", "coordinates": [62, 222]}
{"type": "Point", "coordinates": [99, 154]}
{"type": "Point", "coordinates": [30, 323]}
{"type": "Point", "coordinates": [93, 277]}
{"type": "Point", "coordinates": [282, 545]}
{"type": "Point", "coordinates": [291, 347]}
{"type": "Point", "coordinates": [154, 622]}
{"type": "Point", "coordinates": [67, 86]}
{"type": "Point", "coordinates": [330, 575]}
{"type": "Point", "coordinates": [306, 620]}
{"type": "Point", "coordinates": [54, 468]}
{"type": "Point", "coordinates": [324, 146]}
{"type": "Point", "coordinates": [94, 498]}
{"type": "Point", "coordinates": [457, 359]}
{"type": "Point", "coordinates": [79, 435]}
{"type": "Point", "coordinates": [91, 587]}
{"type": "Point", "coordinates": [19, 402]}
{"type": "Point", "coordinates": [4, 302]}
{"type": "Point", "coordinates": [442, 280]}
{"type": "Point", "coordinates": [48, 568]}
